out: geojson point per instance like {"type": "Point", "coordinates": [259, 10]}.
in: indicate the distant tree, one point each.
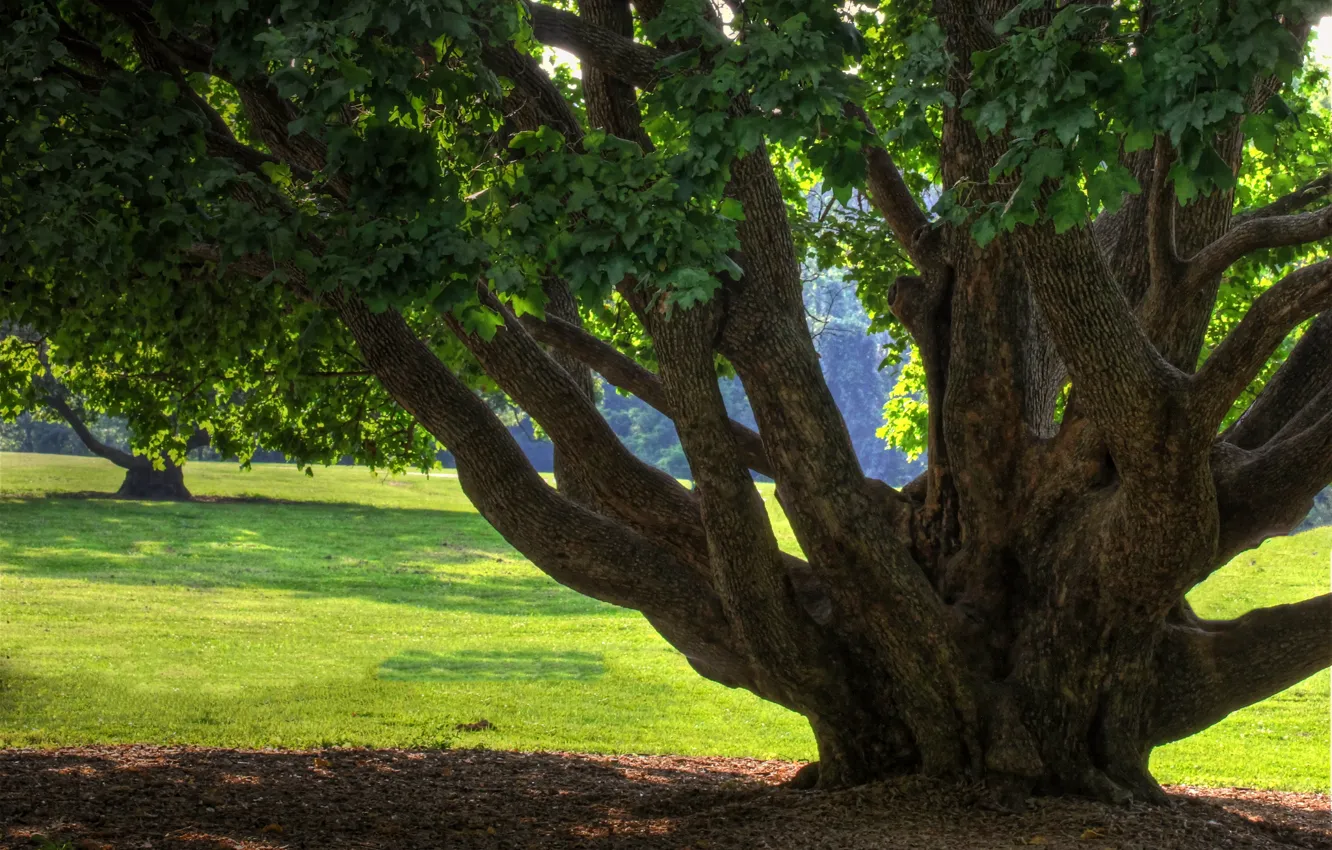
{"type": "Point", "coordinates": [144, 477]}
{"type": "Point", "coordinates": [1118, 303]}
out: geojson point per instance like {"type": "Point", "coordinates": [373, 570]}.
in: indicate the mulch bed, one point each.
{"type": "Point", "coordinates": [199, 799]}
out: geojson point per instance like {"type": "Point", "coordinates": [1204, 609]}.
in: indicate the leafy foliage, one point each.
{"type": "Point", "coordinates": [363, 147]}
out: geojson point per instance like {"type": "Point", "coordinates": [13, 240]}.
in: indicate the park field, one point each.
{"type": "Point", "coordinates": [347, 610]}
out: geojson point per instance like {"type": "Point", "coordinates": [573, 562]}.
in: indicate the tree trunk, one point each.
{"type": "Point", "coordinates": [144, 482]}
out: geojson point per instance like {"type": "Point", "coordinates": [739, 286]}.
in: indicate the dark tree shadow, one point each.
{"type": "Point", "coordinates": [484, 800]}
{"type": "Point", "coordinates": [491, 666]}
{"type": "Point", "coordinates": [427, 558]}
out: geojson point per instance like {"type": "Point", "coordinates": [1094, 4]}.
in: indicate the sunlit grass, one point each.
{"type": "Point", "coordinates": [385, 612]}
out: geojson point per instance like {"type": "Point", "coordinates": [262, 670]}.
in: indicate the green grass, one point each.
{"type": "Point", "coordinates": [383, 613]}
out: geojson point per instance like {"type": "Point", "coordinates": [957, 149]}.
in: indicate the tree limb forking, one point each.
{"type": "Point", "coordinates": [612, 103]}
{"type": "Point", "coordinates": [1206, 673]}
{"type": "Point", "coordinates": [1256, 234]}
{"type": "Point", "coordinates": [1120, 376]}
{"type": "Point", "coordinates": [577, 547]}
{"type": "Point", "coordinates": [623, 58]}
{"type": "Point", "coordinates": [1301, 294]}
{"type": "Point", "coordinates": [1266, 492]}
{"type": "Point", "coordinates": [1308, 194]}
{"type": "Point", "coordinates": [747, 564]}
{"type": "Point", "coordinates": [622, 372]}
{"type": "Point", "coordinates": [647, 499]}
{"type": "Point", "coordinates": [1306, 371]}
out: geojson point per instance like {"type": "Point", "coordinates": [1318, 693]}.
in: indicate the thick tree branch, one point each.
{"type": "Point", "coordinates": [1208, 672]}
{"type": "Point", "coordinates": [1123, 234]}
{"type": "Point", "coordinates": [1162, 256]}
{"type": "Point", "coordinates": [648, 500]}
{"type": "Point", "coordinates": [1267, 492]}
{"type": "Point", "coordinates": [1309, 193]}
{"type": "Point", "coordinates": [749, 571]}
{"type": "Point", "coordinates": [612, 103]}
{"type": "Point", "coordinates": [571, 474]}
{"type": "Point", "coordinates": [969, 28]}
{"type": "Point", "coordinates": [1178, 311]}
{"type": "Point", "coordinates": [1241, 355]}
{"type": "Point", "coordinates": [622, 372]}
{"type": "Point", "coordinates": [1122, 380]}
{"type": "Point", "coordinates": [536, 100]}
{"type": "Point", "coordinates": [596, 46]}
{"type": "Point", "coordinates": [894, 201]}
{"type": "Point", "coordinates": [1256, 234]}
{"type": "Point", "coordinates": [575, 546]}
{"type": "Point", "coordinates": [124, 460]}
{"type": "Point", "coordinates": [1306, 371]}
{"type": "Point", "coordinates": [846, 529]}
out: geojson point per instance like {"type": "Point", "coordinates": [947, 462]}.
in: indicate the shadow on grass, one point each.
{"type": "Point", "coordinates": [441, 560]}
{"type": "Point", "coordinates": [491, 666]}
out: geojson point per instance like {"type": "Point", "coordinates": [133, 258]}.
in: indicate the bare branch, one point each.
{"type": "Point", "coordinates": [1306, 371]}
{"type": "Point", "coordinates": [1209, 670]}
{"type": "Point", "coordinates": [1162, 257]}
{"type": "Point", "coordinates": [1240, 356]}
{"type": "Point", "coordinates": [1256, 234]}
{"type": "Point", "coordinates": [1267, 492]}
{"type": "Point", "coordinates": [894, 201]}
{"type": "Point", "coordinates": [124, 460]}
{"type": "Point", "coordinates": [621, 57]}
{"type": "Point", "coordinates": [622, 372]}
{"type": "Point", "coordinates": [1309, 193]}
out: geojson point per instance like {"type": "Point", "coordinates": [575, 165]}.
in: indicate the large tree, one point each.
{"type": "Point", "coordinates": [1126, 203]}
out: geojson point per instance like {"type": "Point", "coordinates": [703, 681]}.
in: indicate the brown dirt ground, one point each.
{"type": "Point", "coordinates": [191, 798]}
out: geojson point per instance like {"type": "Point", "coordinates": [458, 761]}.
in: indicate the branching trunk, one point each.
{"type": "Point", "coordinates": [1015, 616]}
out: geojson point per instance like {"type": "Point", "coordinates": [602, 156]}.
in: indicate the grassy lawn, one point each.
{"type": "Point", "coordinates": [385, 612]}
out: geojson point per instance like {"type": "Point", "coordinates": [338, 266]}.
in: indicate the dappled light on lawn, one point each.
{"type": "Point", "coordinates": [358, 613]}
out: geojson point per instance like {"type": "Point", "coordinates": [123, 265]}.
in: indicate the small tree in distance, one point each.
{"type": "Point", "coordinates": [1120, 316]}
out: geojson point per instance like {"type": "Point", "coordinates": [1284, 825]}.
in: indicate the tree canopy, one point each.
{"type": "Point", "coordinates": [1101, 228]}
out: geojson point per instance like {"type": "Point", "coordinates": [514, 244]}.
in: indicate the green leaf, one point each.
{"type": "Point", "coordinates": [1067, 207]}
